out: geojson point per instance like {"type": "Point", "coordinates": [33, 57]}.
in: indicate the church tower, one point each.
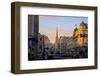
{"type": "Point", "coordinates": [57, 35]}
{"type": "Point", "coordinates": [56, 39]}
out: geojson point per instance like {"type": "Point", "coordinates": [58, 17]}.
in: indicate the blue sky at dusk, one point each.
{"type": "Point", "coordinates": [65, 25]}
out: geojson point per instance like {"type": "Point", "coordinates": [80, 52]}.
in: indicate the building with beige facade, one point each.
{"type": "Point", "coordinates": [80, 34]}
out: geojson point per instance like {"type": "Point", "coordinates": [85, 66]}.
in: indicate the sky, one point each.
{"type": "Point", "coordinates": [65, 25]}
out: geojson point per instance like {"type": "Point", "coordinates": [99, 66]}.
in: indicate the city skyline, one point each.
{"type": "Point", "coordinates": [65, 25]}
{"type": "Point", "coordinates": [56, 37]}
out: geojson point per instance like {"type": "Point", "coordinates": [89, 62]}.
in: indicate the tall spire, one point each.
{"type": "Point", "coordinates": [57, 35]}
{"type": "Point", "coordinates": [56, 39]}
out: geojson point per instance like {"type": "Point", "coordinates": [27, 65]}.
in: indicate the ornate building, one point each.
{"type": "Point", "coordinates": [43, 44]}
{"type": "Point", "coordinates": [63, 44]}
{"type": "Point", "coordinates": [81, 34]}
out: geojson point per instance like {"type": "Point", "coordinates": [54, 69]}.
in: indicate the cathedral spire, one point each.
{"type": "Point", "coordinates": [56, 34]}
{"type": "Point", "coordinates": [56, 38]}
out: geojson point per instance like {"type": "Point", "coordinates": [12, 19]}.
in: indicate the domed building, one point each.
{"type": "Point", "coordinates": [81, 34]}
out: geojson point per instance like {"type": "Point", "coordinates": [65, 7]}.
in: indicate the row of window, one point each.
{"type": "Point", "coordinates": [83, 35]}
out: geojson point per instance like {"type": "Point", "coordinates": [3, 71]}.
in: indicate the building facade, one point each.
{"type": "Point", "coordinates": [63, 44]}
{"type": "Point", "coordinates": [44, 45]}
{"type": "Point", "coordinates": [81, 34]}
